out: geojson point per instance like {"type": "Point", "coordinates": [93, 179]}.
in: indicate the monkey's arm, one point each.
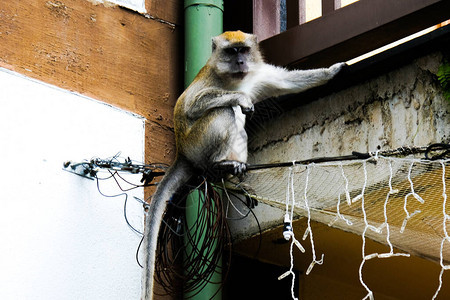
{"type": "Point", "coordinates": [275, 81]}
{"type": "Point", "coordinates": [210, 98]}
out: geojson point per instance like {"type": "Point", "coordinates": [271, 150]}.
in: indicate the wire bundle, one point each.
{"type": "Point", "coordinates": [189, 254]}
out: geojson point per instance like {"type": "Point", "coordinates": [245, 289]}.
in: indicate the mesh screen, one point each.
{"type": "Point", "coordinates": [381, 198]}
{"type": "Point", "coordinates": [400, 202]}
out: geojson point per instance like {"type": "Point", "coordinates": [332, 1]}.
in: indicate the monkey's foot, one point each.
{"type": "Point", "coordinates": [248, 110]}
{"type": "Point", "coordinates": [232, 167]}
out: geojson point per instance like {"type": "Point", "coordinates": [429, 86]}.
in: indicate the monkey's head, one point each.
{"type": "Point", "coordinates": [234, 54]}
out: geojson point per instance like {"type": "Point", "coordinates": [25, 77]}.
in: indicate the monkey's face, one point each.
{"type": "Point", "coordinates": [237, 61]}
{"type": "Point", "coordinates": [234, 54]}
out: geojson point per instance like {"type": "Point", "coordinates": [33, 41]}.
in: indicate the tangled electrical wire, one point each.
{"type": "Point", "coordinates": [114, 167]}
{"type": "Point", "coordinates": [189, 252]}
{"type": "Point", "coordinates": [183, 258]}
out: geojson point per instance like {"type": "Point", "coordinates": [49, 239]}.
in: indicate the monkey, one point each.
{"type": "Point", "coordinates": [209, 120]}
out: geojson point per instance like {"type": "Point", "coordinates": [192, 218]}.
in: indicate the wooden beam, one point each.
{"type": "Point", "coordinates": [166, 10]}
{"type": "Point", "coordinates": [352, 31]}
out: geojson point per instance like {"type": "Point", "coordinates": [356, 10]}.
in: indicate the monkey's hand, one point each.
{"type": "Point", "coordinates": [246, 104]}
{"type": "Point", "coordinates": [336, 68]}
{"type": "Point", "coordinates": [232, 167]}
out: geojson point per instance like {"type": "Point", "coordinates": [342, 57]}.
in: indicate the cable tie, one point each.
{"type": "Point", "coordinates": [305, 235]}
{"type": "Point", "coordinates": [357, 198]}
{"type": "Point", "coordinates": [405, 221]}
{"type": "Point", "coordinates": [402, 229]}
{"type": "Point", "coordinates": [348, 198]}
{"type": "Point", "coordinates": [284, 275]}
{"type": "Point", "coordinates": [418, 211]}
{"type": "Point", "coordinates": [311, 266]}
{"type": "Point", "coordinates": [313, 263]}
{"type": "Point", "coordinates": [299, 246]}
{"type": "Point", "coordinates": [418, 198]}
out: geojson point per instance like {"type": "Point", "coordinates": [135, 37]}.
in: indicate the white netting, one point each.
{"type": "Point", "coordinates": [401, 202]}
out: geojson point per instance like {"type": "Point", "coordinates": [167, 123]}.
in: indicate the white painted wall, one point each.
{"type": "Point", "coordinates": [137, 5]}
{"type": "Point", "coordinates": [59, 238]}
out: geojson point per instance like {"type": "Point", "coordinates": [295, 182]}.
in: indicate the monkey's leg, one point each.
{"type": "Point", "coordinates": [212, 139]}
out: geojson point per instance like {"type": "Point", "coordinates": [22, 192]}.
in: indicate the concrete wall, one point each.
{"type": "Point", "coordinates": [404, 107]}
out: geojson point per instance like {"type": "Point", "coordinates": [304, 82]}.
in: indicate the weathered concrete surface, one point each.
{"type": "Point", "coordinates": [404, 107]}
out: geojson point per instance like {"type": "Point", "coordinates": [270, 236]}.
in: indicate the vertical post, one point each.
{"type": "Point", "coordinates": [327, 7]}
{"type": "Point", "coordinates": [266, 18]}
{"type": "Point", "coordinates": [203, 20]}
{"type": "Point", "coordinates": [302, 11]}
{"type": "Point", "coordinates": [293, 13]}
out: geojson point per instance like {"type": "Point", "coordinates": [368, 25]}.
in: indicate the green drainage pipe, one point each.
{"type": "Point", "coordinates": [203, 20]}
{"type": "Point", "coordinates": [210, 287]}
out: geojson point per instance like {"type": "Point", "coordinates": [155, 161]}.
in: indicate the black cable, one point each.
{"type": "Point", "coordinates": [125, 202]}
{"type": "Point", "coordinates": [181, 257]}
{"type": "Point", "coordinates": [137, 252]}
{"type": "Point", "coordinates": [354, 156]}
{"type": "Point", "coordinates": [444, 150]}
{"type": "Point", "coordinates": [190, 254]}
{"type": "Point", "coordinates": [194, 268]}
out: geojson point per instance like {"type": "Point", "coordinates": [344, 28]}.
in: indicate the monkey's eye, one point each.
{"type": "Point", "coordinates": [236, 50]}
{"type": "Point", "coordinates": [231, 51]}
{"type": "Point", "coordinates": [244, 50]}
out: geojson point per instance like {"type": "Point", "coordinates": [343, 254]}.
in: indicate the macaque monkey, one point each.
{"type": "Point", "coordinates": [209, 119]}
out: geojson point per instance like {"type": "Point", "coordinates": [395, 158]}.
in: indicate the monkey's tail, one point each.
{"type": "Point", "coordinates": [176, 176]}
